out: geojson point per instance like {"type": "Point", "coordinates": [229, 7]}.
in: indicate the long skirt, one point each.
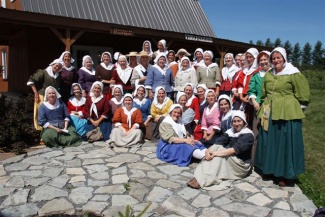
{"type": "Point", "coordinates": [155, 128]}
{"type": "Point", "coordinates": [280, 150]}
{"type": "Point", "coordinates": [79, 124]}
{"type": "Point", "coordinates": [147, 130]}
{"type": "Point", "coordinates": [179, 154]}
{"type": "Point", "coordinates": [53, 139]}
{"type": "Point", "coordinates": [198, 132]}
{"type": "Point", "coordinates": [122, 140]}
{"type": "Point", "coordinates": [105, 127]}
{"type": "Point", "coordinates": [218, 173]}
{"type": "Point", "coordinates": [36, 107]}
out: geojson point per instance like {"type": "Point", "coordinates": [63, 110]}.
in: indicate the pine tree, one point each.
{"type": "Point", "coordinates": [251, 42]}
{"type": "Point", "coordinates": [277, 43]}
{"type": "Point", "coordinates": [296, 55]}
{"type": "Point", "coordinates": [318, 55]}
{"type": "Point", "coordinates": [306, 55]}
{"type": "Point", "coordinates": [287, 45]}
{"type": "Point", "coordinates": [268, 43]}
{"type": "Point", "coordinates": [259, 42]}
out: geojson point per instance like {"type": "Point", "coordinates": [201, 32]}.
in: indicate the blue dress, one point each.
{"type": "Point", "coordinates": [179, 154]}
{"type": "Point", "coordinates": [144, 108]}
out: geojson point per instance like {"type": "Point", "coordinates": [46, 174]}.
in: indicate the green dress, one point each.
{"type": "Point", "coordinates": [280, 149]}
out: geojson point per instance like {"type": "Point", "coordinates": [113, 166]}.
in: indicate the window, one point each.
{"type": "Point", "coordinates": [4, 64]}
{"type": "Point", "coordinates": [3, 3]}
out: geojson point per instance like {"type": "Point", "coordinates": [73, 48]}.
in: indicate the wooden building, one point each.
{"type": "Point", "coordinates": [35, 32]}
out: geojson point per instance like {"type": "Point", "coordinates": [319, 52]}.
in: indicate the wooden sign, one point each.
{"type": "Point", "coordinates": [123, 32]}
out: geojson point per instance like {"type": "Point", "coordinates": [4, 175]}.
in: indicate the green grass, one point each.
{"type": "Point", "coordinates": [312, 182]}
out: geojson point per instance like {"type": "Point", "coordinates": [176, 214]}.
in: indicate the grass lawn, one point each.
{"type": "Point", "coordinates": [312, 182]}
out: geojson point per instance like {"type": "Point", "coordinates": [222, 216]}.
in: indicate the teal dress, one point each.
{"type": "Point", "coordinates": [280, 148]}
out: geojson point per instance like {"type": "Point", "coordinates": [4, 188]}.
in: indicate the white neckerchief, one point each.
{"type": "Point", "coordinates": [158, 105]}
{"type": "Point", "coordinates": [49, 70]}
{"type": "Point", "coordinates": [163, 71]}
{"type": "Point", "coordinates": [208, 68]}
{"type": "Point", "coordinates": [261, 73]}
{"type": "Point", "coordinates": [109, 67]}
{"type": "Point", "coordinates": [196, 63]}
{"type": "Point", "coordinates": [226, 116]}
{"type": "Point", "coordinates": [231, 132]}
{"type": "Point", "coordinates": [75, 102]}
{"type": "Point", "coordinates": [208, 110]}
{"type": "Point", "coordinates": [68, 69]}
{"type": "Point", "coordinates": [189, 101]}
{"type": "Point", "coordinates": [124, 74]}
{"type": "Point", "coordinates": [92, 72]}
{"type": "Point", "coordinates": [138, 102]}
{"type": "Point", "coordinates": [93, 105]}
{"type": "Point", "coordinates": [203, 102]}
{"type": "Point", "coordinates": [52, 107]}
{"type": "Point", "coordinates": [248, 72]}
{"type": "Point", "coordinates": [181, 71]}
{"type": "Point", "coordinates": [117, 102]}
{"type": "Point", "coordinates": [140, 70]}
{"type": "Point", "coordinates": [289, 69]}
{"type": "Point", "coordinates": [228, 73]}
{"type": "Point", "coordinates": [171, 64]}
{"type": "Point", "coordinates": [129, 115]}
{"type": "Point", "coordinates": [178, 127]}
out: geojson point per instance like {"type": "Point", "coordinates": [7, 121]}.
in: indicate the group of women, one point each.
{"type": "Point", "coordinates": [192, 108]}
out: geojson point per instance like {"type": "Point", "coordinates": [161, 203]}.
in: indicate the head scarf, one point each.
{"type": "Point", "coordinates": [179, 94]}
{"type": "Point", "coordinates": [71, 92]}
{"type": "Point", "coordinates": [110, 65]}
{"type": "Point", "coordinates": [49, 69]}
{"type": "Point", "coordinates": [205, 89]}
{"type": "Point", "coordinates": [228, 73]}
{"type": "Point", "coordinates": [124, 74]}
{"type": "Point", "coordinates": [226, 97]}
{"type": "Point", "coordinates": [73, 100]}
{"type": "Point", "coordinates": [155, 99]}
{"type": "Point", "coordinates": [231, 132]}
{"type": "Point", "coordinates": [215, 105]}
{"type": "Point", "coordinates": [288, 68]}
{"type": "Point", "coordinates": [190, 99]}
{"type": "Point", "coordinates": [178, 126]}
{"type": "Point", "coordinates": [163, 71]}
{"type": "Point", "coordinates": [189, 63]}
{"type": "Point", "coordinates": [136, 99]}
{"type": "Point", "coordinates": [207, 68]}
{"type": "Point", "coordinates": [56, 93]}
{"type": "Point", "coordinates": [57, 102]}
{"type": "Point", "coordinates": [94, 100]}
{"type": "Point", "coordinates": [150, 49]}
{"type": "Point", "coordinates": [197, 50]}
{"type": "Point", "coordinates": [92, 72]}
{"type": "Point", "coordinates": [71, 60]}
{"type": "Point", "coordinates": [173, 62]}
{"type": "Point", "coordinates": [127, 112]}
{"type": "Point", "coordinates": [113, 91]}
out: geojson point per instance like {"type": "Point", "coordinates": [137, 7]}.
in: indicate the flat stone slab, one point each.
{"type": "Point", "coordinates": [201, 201]}
{"type": "Point", "coordinates": [92, 161]}
{"type": "Point", "coordinates": [178, 205]}
{"type": "Point", "coordinates": [246, 209]}
{"type": "Point", "coordinates": [95, 207]}
{"type": "Point", "coordinates": [125, 158]}
{"type": "Point", "coordinates": [52, 154]}
{"type": "Point", "coordinates": [13, 159]}
{"type": "Point", "coordinates": [36, 181]}
{"type": "Point", "coordinates": [47, 192]}
{"type": "Point", "coordinates": [118, 179]}
{"type": "Point", "coordinates": [171, 169]}
{"type": "Point", "coordinates": [275, 193]}
{"type": "Point", "coordinates": [17, 198]}
{"type": "Point", "coordinates": [75, 171]}
{"type": "Point", "coordinates": [283, 213]}
{"type": "Point", "coordinates": [81, 195]}
{"type": "Point", "coordinates": [113, 189]}
{"type": "Point", "coordinates": [57, 206]}
{"type": "Point", "coordinates": [16, 182]}
{"type": "Point", "coordinates": [28, 209]}
{"type": "Point", "coordinates": [259, 199]}
{"type": "Point", "coordinates": [31, 173]}
{"type": "Point", "coordinates": [158, 194]}
{"type": "Point", "coordinates": [123, 200]}
{"type": "Point", "coordinates": [52, 172]}
{"type": "Point", "coordinates": [35, 160]}
{"type": "Point", "coordinates": [15, 167]}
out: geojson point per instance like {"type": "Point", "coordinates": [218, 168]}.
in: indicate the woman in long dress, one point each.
{"type": "Point", "coordinates": [76, 105]}
{"type": "Point", "coordinates": [228, 159]}
{"type": "Point", "coordinates": [127, 121]}
{"type": "Point", "coordinates": [201, 89]}
{"type": "Point", "coordinates": [53, 116]}
{"type": "Point", "coordinates": [185, 75]}
{"type": "Point", "coordinates": [227, 74]}
{"type": "Point", "coordinates": [122, 74]}
{"type": "Point", "coordinates": [188, 113]}
{"type": "Point", "coordinates": [104, 72]}
{"type": "Point", "coordinates": [86, 75]}
{"type": "Point", "coordinates": [175, 146]}
{"type": "Point", "coordinates": [97, 111]}
{"type": "Point", "coordinates": [117, 99]}
{"type": "Point", "coordinates": [42, 79]}
{"type": "Point", "coordinates": [280, 145]}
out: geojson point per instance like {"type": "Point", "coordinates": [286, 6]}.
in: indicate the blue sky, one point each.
{"type": "Point", "coordinates": [299, 21]}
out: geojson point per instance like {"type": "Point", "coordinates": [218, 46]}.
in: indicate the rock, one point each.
{"type": "Point", "coordinates": [145, 181]}
{"type": "Point", "coordinates": [60, 181]}
{"type": "Point", "coordinates": [31, 173]}
{"type": "Point", "coordinates": [54, 163]}
{"type": "Point", "coordinates": [57, 206]}
{"type": "Point", "coordinates": [171, 169]}
{"type": "Point", "coordinates": [222, 201]}
{"type": "Point", "coordinates": [101, 197]}
{"type": "Point", "coordinates": [156, 175]}
{"type": "Point", "coordinates": [125, 158]}
{"type": "Point", "coordinates": [17, 198]}
{"type": "Point", "coordinates": [73, 149]}
{"type": "Point", "coordinates": [16, 182]}
{"type": "Point", "coordinates": [96, 168]}
{"type": "Point", "coordinates": [28, 209]}
{"type": "Point", "coordinates": [113, 211]}
{"type": "Point", "coordinates": [141, 166]}
{"type": "Point", "coordinates": [118, 179]}
{"type": "Point", "coordinates": [264, 183]}
{"type": "Point", "coordinates": [137, 173]}
{"type": "Point", "coordinates": [35, 160]}
{"type": "Point", "coordinates": [237, 195]}
{"type": "Point", "coordinates": [282, 205]}
{"type": "Point", "coordinates": [65, 158]}
{"type": "Point", "coordinates": [93, 156]}
{"type": "Point", "coordinates": [52, 172]}
{"type": "Point", "coordinates": [158, 194]}
{"type": "Point", "coordinates": [13, 159]}
{"type": "Point", "coordinates": [188, 193]}
{"type": "Point", "coordinates": [115, 165]}
{"type": "Point", "coordinates": [247, 210]}
{"type": "Point", "coordinates": [73, 163]}
{"type": "Point", "coordinates": [93, 161]}
{"type": "Point", "coordinates": [81, 195]}
{"type": "Point", "coordinates": [52, 154]}
{"type": "Point", "coordinates": [247, 187]}
{"type": "Point", "coordinates": [133, 150]}
{"type": "Point", "coordinates": [36, 182]}
{"type": "Point", "coordinates": [120, 170]}
{"type": "Point", "coordinates": [302, 204]}
{"type": "Point", "coordinates": [155, 161]}
{"type": "Point", "coordinates": [216, 194]}
{"type": "Point", "coordinates": [212, 211]}
{"type": "Point", "coordinates": [120, 150]}
{"type": "Point", "coordinates": [112, 189]}
{"type": "Point", "coordinates": [178, 205]}
{"type": "Point", "coordinates": [259, 199]}
{"type": "Point", "coordinates": [15, 167]}
{"type": "Point", "coordinates": [75, 171]}
{"type": "Point", "coordinates": [123, 200]}
{"type": "Point", "coordinates": [100, 176]}
{"type": "Point", "coordinates": [201, 201]}
{"type": "Point", "coordinates": [6, 191]}
{"type": "Point", "coordinates": [39, 151]}
{"type": "Point", "coordinates": [75, 179]}
{"type": "Point", "coordinates": [167, 184]}
{"type": "Point", "coordinates": [283, 213]}
{"type": "Point", "coordinates": [275, 193]}
{"type": "Point", "coordinates": [3, 180]}
{"type": "Point", "coordinates": [46, 192]}
{"type": "Point", "coordinates": [187, 174]}
{"type": "Point", "coordinates": [95, 207]}
{"type": "Point", "coordinates": [106, 150]}
{"type": "Point", "coordinates": [92, 182]}
{"type": "Point", "coordinates": [36, 167]}
{"type": "Point", "coordinates": [138, 191]}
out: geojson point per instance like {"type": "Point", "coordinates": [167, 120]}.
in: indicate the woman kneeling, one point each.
{"type": "Point", "coordinates": [53, 116]}
{"type": "Point", "coordinates": [230, 159]}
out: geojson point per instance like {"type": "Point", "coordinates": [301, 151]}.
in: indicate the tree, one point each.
{"type": "Point", "coordinates": [296, 54]}
{"type": "Point", "coordinates": [288, 47]}
{"type": "Point", "coordinates": [306, 55]}
{"type": "Point", "coordinates": [268, 43]}
{"type": "Point", "coordinates": [318, 55]}
{"type": "Point", "coordinates": [277, 43]}
{"type": "Point", "coordinates": [259, 42]}
{"type": "Point", "coordinates": [251, 42]}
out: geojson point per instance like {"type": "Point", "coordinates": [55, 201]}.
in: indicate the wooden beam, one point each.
{"type": "Point", "coordinates": [67, 40]}
{"type": "Point", "coordinates": [77, 36]}
{"type": "Point", "coordinates": [58, 34]}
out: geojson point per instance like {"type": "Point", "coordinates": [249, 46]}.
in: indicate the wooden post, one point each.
{"type": "Point", "coordinates": [67, 40]}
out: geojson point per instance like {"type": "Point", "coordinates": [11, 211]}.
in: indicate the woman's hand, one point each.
{"type": "Point", "coordinates": [157, 118]}
{"type": "Point", "coordinates": [95, 123]}
{"type": "Point", "coordinates": [36, 97]}
{"type": "Point", "coordinates": [244, 99]}
{"type": "Point", "coordinates": [208, 155]}
{"type": "Point", "coordinates": [150, 94]}
{"type": "Point", "coordinates": [189, 141]}
{"type": "Point", "coordinates": [256, 105]}
{"type": "Point", "coordinates": [84, 94]}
